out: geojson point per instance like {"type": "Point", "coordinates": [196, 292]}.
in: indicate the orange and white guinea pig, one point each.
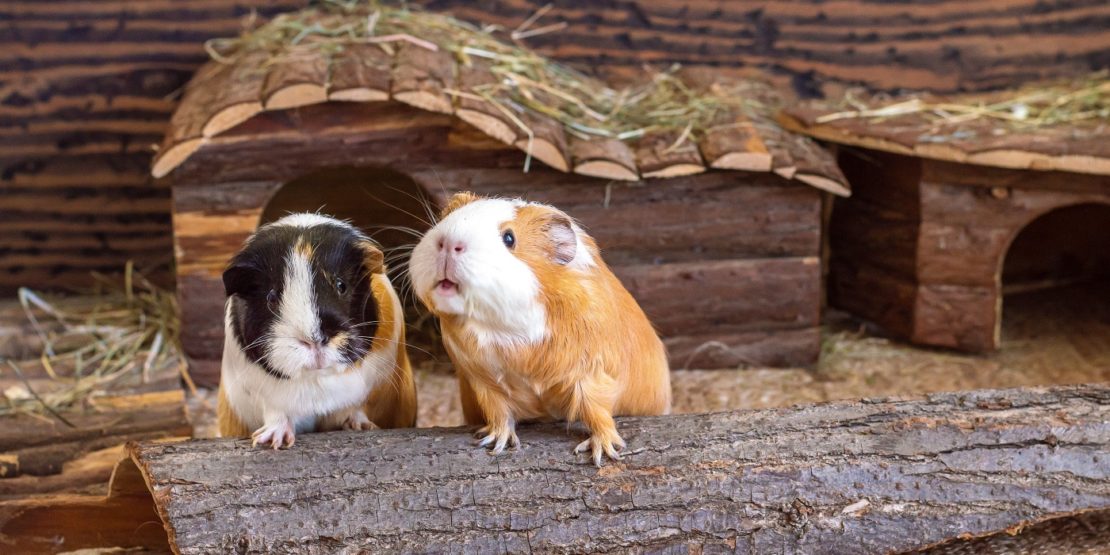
{"type": "Point", "coordinates": [314, 335]}
{"type": "Point", "coordinates": [536, 324]}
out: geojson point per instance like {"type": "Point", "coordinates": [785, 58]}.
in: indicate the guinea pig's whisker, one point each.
{"type": "Point", "coordinates": [397, 208]}
{"type": "Point", "coordinates": [262, 339]}
{"type": "Point", "coordinates": [402, 228]}
{"type": "Point", "coordinates": [424, 202]}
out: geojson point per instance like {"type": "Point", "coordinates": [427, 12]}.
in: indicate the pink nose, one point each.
{"type": "Point", "coordinates": [447, 244]}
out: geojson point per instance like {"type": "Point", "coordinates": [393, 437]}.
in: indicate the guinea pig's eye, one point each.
{"type": "Point", "coordinates": [508, 238]}
{"type": "Point", "coordinates": [271, 298]}
{"type": "Point", "coordinates": [340, 285]}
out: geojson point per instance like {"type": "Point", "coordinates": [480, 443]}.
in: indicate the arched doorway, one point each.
{"type": "Point", "coordinates": [1055, 281]}
{"type": "Point", "coordinates": [388, 206]}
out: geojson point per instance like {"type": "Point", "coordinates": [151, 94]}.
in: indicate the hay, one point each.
{"type": "Point", "coordinates": [528, 82]}
{"type": "Point", "coordinates": [1080, 101]}
{"type": "Point", "coordinates": [124, 337]}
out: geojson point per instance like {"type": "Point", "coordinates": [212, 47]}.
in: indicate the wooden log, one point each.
{"type": "Point", "coordinates": [709, 216]}
{"type": "Point", "coordinates": [124, 519]}
{"type": "Point", "coordinates": [240, 96]}
{"type": "Point", "coordinates": [667, 154]}
{"type": "Point", "coordinates": [298, 78]}
{"type": "Point", "coordinates": [968, 318]}
{"type": "Point", "coordinates": [694, 298]}
{"type": "Point", "coordinates": [186, 132]}
{"type": "Point", "coordinates": [1079, 147]}
{"type": "Point", "coordinates": [722, 348]}
{"type": "Point", "coordinates": [87, 473]}
{"type": "Point", "coordinates": [476, 80]}
{"type": "Point", "coordinates": [817, 167]}
{"type": "Point", "coordinates": [43, 445]}
{"type": "Point", "coordinates": [605, 158]}
{"type": "Point", "coordinates": [360, 73]}
{"type": "Point", "coordinates": [369, 134]}
{"type": "Point", "coordinates": [421, 76]}
{"type": "Point", "coordinates": [877, 476]}
{"type": "Point", "coordinates": [735, 145]}
{"type": "Point", "coordinates": [548, 141]}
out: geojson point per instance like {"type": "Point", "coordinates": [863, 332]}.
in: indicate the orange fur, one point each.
{"type": "Point", "coordinates": [601, 357]}
{"type": "Point", "coordinates": [228, 422]}
{"type": "Point", "coordinates": [393, 403]}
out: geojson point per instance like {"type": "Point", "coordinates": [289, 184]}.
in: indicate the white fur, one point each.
{"type": "Point", "coordinates": [297, 321]}
{"type": "Point", "coordinates": [583, 258]}
{"type": "Point", "coordinates": [309, 219]}
{"type": "Point", "coordinates": [498, 294]}
{"type": "Point", "coordinates": [260, 399]}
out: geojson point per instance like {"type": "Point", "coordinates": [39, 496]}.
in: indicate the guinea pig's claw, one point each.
{"type": "Point", "coordinates": [359, 422]}
{"type": "Point", "coordinates": [497, 440]}
{"type": "Point", "coordinates": [276, 435]}
{"type": "Point", "coordinates": [597, 446]}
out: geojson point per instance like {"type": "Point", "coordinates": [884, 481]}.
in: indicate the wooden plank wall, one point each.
{"type": "Point", "coordinates": [936, 44]}
{"type": "Point", "coordinates": [86, 86]}
{"type": "Point", "coordinates": [85, 89]}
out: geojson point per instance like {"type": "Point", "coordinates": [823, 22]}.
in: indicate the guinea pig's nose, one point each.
{"type": "Point", "coordinates": [451, 245]}
{"type": "Point", "coordinates": [313, 345]}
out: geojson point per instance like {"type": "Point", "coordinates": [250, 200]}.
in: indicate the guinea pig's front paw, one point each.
{"type": "Point", "coordinates": [496, 437]}
{"type": "Point", "coordinates": [358, 421]}
{"type": "Point", "coordinates": [277, 435]}
{"type": "Point", "coordinates": [608, 442]}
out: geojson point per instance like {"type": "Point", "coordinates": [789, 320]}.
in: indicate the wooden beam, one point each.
{"type": "Point", "coordinates": [876, 476]}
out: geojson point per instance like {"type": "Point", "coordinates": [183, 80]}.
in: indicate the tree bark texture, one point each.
{"type": "Point", "coordinates": [874, 476]}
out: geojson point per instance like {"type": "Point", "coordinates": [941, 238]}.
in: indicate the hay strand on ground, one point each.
{"type": "Point", "coordinates": [129, 333]}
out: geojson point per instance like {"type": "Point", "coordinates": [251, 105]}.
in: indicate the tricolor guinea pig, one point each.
{"type": "Point", "coordinates": [313, 335]}
{"type": "Point", "coordinates": [536, 324]}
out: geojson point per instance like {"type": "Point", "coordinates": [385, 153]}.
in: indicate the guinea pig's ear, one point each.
{"type": "Point", "coordinates": [563, 240]}
{"type": "Point", "coordinates": [457, 201]}
{"type": "Point", "coordinates": [372, 258]}
{"type": "Point", "coordinates": [241, 279]}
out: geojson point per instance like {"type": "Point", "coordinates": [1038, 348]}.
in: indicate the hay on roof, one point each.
{"type": "Point", "coordinates": [527, 81]}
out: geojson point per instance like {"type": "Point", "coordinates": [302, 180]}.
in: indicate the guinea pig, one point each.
{"type": "Point", "coordinates": [314, 335]}
{"type": "Point", "coordinates": [536, 324]}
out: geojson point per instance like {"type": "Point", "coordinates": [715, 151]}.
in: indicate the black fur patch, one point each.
{"type": "Point", "coordinates": [259, 268]}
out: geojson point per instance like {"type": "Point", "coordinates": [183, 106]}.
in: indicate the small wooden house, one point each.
{"type": "Point", "coordinates": [950, 212]}
{"type": "Point", "coordinates": [726, 263]}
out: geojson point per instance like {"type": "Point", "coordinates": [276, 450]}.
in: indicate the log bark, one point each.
{"type": "Point", "coordinates": [360, 73]}
{"type": "Point", "coordinates": [1079, 147]}
{"type": "Point", "coordinates": [421, 76]}
{"type": "Point", "coordinates": [300, 78]}
{"type": "Point", "coordinates": [667, 154]}
{"type": "Point", "coordinates": [874, 476]}
{"type": "Point", "coordinates": [604, 158]}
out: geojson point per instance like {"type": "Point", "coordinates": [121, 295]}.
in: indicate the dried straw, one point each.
{"type": "Point", "coordinates": [527, 81]}
{"type": "Point", "coordinates": [1079, 101]}
{"type": "Point", "coordinates": [127, 335]}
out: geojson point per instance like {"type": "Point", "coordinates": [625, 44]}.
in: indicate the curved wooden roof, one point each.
{"type": "Point", "coordinates": [1082, 147]}
{"type": "Point", "coordinates": [222, 96]}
